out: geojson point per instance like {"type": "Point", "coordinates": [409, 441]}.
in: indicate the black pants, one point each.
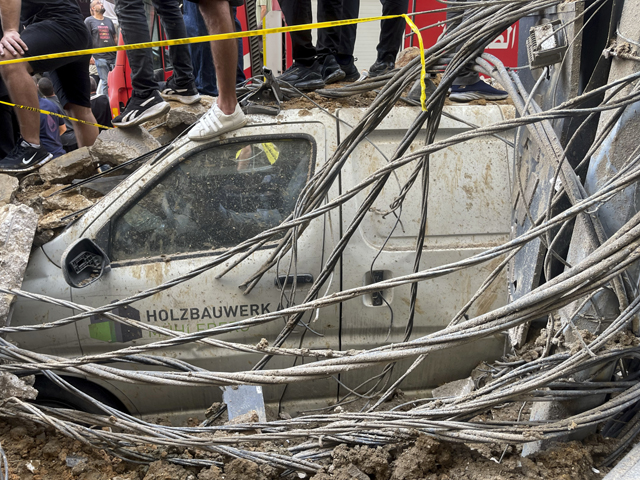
{"type": "Point", "coordinates": [392, 30]}
{"type": "Point", "coordinates": [134, 27]}
{"type": "Point", "coordinates": [339, 41]}
{"type": "Point", "coordinates": [8, 127]}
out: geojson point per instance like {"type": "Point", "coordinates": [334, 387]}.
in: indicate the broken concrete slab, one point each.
{"type": "Point", "coordinates": [12, 386]}
{"type": "Point", "coordinates": [181, 114]}
{"type": "Point", "coordinates": [53, 220]}
{"type": "Point", "coordinates": [457, 388]}
{"type": "Point", "coordinates": [67, 201]}
{"type": "Point", "coordinates": [114, 147]}
{"type": "Point", "coordinates": [75, 164]}
{"type": "Point", "coordinates": [17, 228]}
{"type": "Point", "coordinates": [8, 188]}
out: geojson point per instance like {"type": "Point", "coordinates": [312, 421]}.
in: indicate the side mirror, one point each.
{"type": "Point", "coordinates": [83, 263]}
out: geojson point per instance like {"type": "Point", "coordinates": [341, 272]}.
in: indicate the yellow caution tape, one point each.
{"type": "Point", "coordinates": [33, 109]}
{"type": "Point", "coordinates": [227, 36]}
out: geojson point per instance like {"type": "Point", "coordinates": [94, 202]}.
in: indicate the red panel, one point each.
{"type": "Point", "coordinates": [504, 47]}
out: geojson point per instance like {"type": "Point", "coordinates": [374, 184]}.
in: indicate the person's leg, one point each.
{"type": "Point", "coordinates": [217, 17]}
{"type": "Point", "coordinates": [85, 134]}
{"type": "Point", "coordinates": [203, 71]}
{"type": "Point", "coordinates": [329, 40]}
{"type": "Point", "coordinates": [103, 73]}
{"type": "Point", "coordinates": [347, 42]}
{"type": "Point", "coordinates": [173, 23]}
{"type": "Point", "coordinates": [72, 87]}
{"type": "Point", "coordinates": [7, 139]}
{"type": "Point", "coordinates": [225, 115]}
{"type": "Point", "coordinates": [23, 91]}
{"type": "Point", "coordinates": [134, 28]}
{"type": "Point", "coordinates": [298, 12]}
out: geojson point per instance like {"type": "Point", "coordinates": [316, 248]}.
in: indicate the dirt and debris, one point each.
{"type": "Point", "coordinates": [38, 453]}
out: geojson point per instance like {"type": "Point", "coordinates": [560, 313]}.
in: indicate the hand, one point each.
{"type": "Point", "coordinates": [92, 61]}
{"type": "Point", "coordinates": [13, 44]}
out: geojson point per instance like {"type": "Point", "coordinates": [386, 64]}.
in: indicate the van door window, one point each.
{"type": "Point", "coordinates": [217, 197]}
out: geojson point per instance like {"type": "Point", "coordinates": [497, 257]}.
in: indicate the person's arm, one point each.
{"type": "Point", "coordinates": [11, 41]}
{"type": "Point", "coordinates": [62, 128]}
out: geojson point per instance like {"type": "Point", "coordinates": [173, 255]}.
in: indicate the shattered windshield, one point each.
{"type": "Point", "coordinates": [217, 197]}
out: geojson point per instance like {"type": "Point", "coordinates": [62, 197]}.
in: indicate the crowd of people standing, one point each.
{"type": "Point", "coordinates": [36, 27]}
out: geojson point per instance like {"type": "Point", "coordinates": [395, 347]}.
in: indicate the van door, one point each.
{"type": "Point", "coordinates": [214, 196]}
{"type": "Point", "coordinates": [468, 212]}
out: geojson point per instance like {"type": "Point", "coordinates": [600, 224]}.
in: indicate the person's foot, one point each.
{"type": "Point", "coordinates": [351, 73]}
{"type": "Point", "coordinates": [24, 158]}
{"type": "Point", "coordinates": [187, 95]}
{"type": "Point", "coordinates": [476, 91]}
{"type": "Point", "coordinates": [331, 71]}
{"type": "Point", "coordinates": [214, 123]}
{"type": "Point", "coordinates": [140, 110]}
{"type": "Point", "coordinates": [302, 77]}
{"type": "Point", "coordinates": [382, 66]}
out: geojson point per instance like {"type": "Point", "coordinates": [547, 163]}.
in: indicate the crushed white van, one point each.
{"type": "Point", "coordinates": [176, 213]}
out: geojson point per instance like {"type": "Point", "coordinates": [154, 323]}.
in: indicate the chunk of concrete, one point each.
{"type": "Point", "coordinates": [53, 220]}
{"type": "Point", "coordinates": [8, 188]}
{"type": "Point", "coordinates": [67, 201]}
{"type": "Point", "coordinates": [17, 228]}
{"type": "Point", "coordinates": [406, 55]}
{"type": "Point", "coordinates": [12, 386]}
{"type": "Point", "coordinates": [181, 114]}
{"type": "Point", "coordinates": [120, 145]}
{"type": "Point", "coordinates": [75, 164]}
{"type": "Point", "coordinates": [457, 388]}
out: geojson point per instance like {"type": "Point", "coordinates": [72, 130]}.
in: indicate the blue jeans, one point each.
{"type": "Point", "coordinates": [203, 69]}
{"type": "Point", "coordinates": [103, 71]}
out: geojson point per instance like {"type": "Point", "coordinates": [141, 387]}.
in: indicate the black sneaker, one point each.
{"type": "Point", "coordinates": [187, 95]}
{"type": "Point", "coordinates": [331, 71]}
{"type": "Point", "coordinates": [302, 77]}
{"type": "Point", "coordinates": [476, 91]}
{"type": "Point", "coordinates": [382, 66]}
{"type": "Point", "coordinates": [24, 158]}
{"type": "Point", "coordinates": [140, 110]}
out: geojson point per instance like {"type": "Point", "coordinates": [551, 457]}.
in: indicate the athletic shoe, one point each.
{"type": "Point", "coordinates": [382, 66]}
{"type": "Point", "coordinates": [140, 110]}
{"type": "Point", "coordinates": [187, 95]}
{"type": "Point", "coordinates": [24, 158]}
{"type": "Point", "coordinates": [214, 123]}
{"type": "Point", "coordinates": [331, 71]}
{"type": "Point", "coordinates": [476, 91]}
{"type": "Point", "coordinates": [302, 77]}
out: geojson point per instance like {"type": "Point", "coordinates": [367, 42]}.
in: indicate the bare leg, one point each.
{"type": "Point", "coordinates": [23, 91]}
{"type": "Point", "coordinates": [217, 16]}
{"type": "Point", "coordinates": [85, 134]}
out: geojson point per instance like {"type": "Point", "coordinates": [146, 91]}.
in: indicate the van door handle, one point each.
{"type": "Point", "coordinates": [301, 279]}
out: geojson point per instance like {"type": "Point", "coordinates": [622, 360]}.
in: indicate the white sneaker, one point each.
{"type": "Point", "coordinates": [214, 123]}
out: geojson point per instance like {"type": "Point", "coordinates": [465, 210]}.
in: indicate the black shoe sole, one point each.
{"type": "Point", "coordinates": [156, 111]}
{"type": "Point", "coordinates": [310, 85]}
{"type": "Point", "coordinates": [334, 77]}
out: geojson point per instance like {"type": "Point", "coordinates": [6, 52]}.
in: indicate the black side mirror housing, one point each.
{"type": "Point", "coordinates": [83, 263]}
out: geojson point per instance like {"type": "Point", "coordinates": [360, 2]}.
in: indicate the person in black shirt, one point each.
{"type": "Point", "coordinates": [103, 34]}
{"type": "Point", "coordinates": [100, 106]}
{"type": "Point", "coordinates": [38, 27]}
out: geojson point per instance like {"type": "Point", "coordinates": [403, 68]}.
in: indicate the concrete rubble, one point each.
{"type": "Point", "coordinates": [8, 187]}
{"type": "Point", "coordinates": [117, 146]}
{"type": "Point", "coordinates": [76, 164]}
{"type": "Point", "coordinates": [17, 228]}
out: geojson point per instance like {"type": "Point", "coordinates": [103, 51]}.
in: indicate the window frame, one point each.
{"type": "Point", "coordinates": [104, 235]}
